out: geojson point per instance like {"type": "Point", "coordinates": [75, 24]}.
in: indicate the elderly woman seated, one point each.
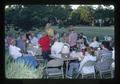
{"type": "Point", "coordinates": [17, 54]}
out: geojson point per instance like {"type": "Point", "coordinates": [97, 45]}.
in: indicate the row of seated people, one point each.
{"type": "Point", "coordinates": [56, 46]}
{"type": "Point", "coordinates": [104, 52]}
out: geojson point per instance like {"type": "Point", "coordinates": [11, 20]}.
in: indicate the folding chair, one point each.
{"type": "Point", "coordinates": [54, 69]}
{"type": "Point", "coordinates": [89, 64]}
{"type": "Point", "coordinates": [109, 70]}
{"type": "Point", "coordinates": [113, 69]}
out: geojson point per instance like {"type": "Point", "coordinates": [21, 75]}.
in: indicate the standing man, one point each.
{"type": "Point", "coordinates": [72, 39]}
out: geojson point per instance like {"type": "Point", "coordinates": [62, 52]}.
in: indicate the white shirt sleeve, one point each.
{"type": "Point", "coordinates": [52, 49]}
{"type": "Point", "coordinates": [85, 59]}
{"type": "Point", "coordinates": [15, 52]}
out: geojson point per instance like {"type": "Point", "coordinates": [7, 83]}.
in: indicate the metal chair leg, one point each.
{"type": "Point", "coordinates": [100, 74]}
{"type": "Point", "coordinates": [112, 74]}
{"type": "Point", "coordinates": [94, 75]}
{"type": "Point", "coordinates": [82, 76]}
{"type": "Point", "coordinates": [77, 75]}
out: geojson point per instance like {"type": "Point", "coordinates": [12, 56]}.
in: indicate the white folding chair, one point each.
{"type": "Point", "coordinates": [109, 70]}
{"type": "Point", "coordinates": [89, 64]}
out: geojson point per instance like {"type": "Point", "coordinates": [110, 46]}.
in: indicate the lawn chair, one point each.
{"type": "Point", "coordinates": [54, 69]}
{"type": "Point", "coordinates": [89, 64]}
{"type": "Point", "coordinates": [103, 72]}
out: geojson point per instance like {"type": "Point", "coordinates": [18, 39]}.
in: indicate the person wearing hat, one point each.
{"type": "Point", "coordinates": [45, 43]}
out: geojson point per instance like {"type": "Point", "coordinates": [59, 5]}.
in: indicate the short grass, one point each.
{"type": "Point", "coordinates": [89, 31]}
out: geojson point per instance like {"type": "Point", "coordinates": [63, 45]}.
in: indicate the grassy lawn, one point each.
{"type": "Point", "coordinates": [90, 32]}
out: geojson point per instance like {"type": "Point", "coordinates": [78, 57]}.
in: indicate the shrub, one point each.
{"type": "Point", "coordinates": [15, 70]}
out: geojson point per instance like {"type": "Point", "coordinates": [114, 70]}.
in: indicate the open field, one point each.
{"type": "Point", "coordinates": [90, 32]}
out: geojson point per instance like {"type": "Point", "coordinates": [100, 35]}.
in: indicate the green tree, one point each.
{"type": "Point", "coordinates": [106, 14]}
{"type": "Point", "coordinates": [75, 17]}
{"type": "Point", "coordinates": [82, 15]}
{"type": "Point", "coordinates": [86, 13]}
{"type": "Point", "coordinates": [29, 16]}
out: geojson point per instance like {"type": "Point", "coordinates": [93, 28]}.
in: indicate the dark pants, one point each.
{"type": "Point", "coordinates": [28, 60]}
{"type": "Point", "coordinates": [73, 67]}
{"type": "Point", "coordinates": [45, 55]}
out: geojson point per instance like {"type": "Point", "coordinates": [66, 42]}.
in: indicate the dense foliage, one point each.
{"type": "Point", "coordinates": [29, 16]}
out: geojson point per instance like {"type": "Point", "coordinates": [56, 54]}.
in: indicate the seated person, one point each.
{"type": "Point", "coordinates": [59, 48]}
{"type": "Point", "coordinates": [81, 43]}
{"type": "Point", "coordinates": [95, 43]}
{"type": "Point", "coordinates": [34, 39]}
{"type": "Point", "coordinates": [21, 43]}
{"type": "Point", "coordinates": [103, 56]}
{"type": "Point", "coordinates": [84, 37]}
{"type": "Point", "coordinates": [78, 65]}
{"type": "Point", "coordinates": [56, 48]}
{"type": "Point", "coordinates": [111, 40]}
{"type": "Point", "coordinates": [16, 53]}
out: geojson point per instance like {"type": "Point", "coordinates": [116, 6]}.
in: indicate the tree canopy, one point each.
{"type": "Point", "coordinates": [29, 16]}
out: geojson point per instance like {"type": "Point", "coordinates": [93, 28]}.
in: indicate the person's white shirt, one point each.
{"type": "Point", "coordinates": [94, 44]}
{"type": "Point", "coordinates": [34, 41]}
{"type": "Point", "coordinates": [78, 55]}
{"type": "Point", "coordinates": [113, 54]}
{"type": "Point", "coordinates": [87, 58]}
{"type": "Point", "coordinates": [15, 51]}
{"type": "Point", "coordinates": [56, 49]}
